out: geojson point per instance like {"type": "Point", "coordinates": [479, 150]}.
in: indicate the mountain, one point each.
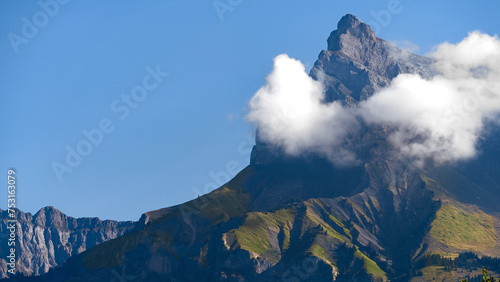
{"type": "Point", "coordinates": [357, 63]}
{"type": "Point", "coordinates": [48, 238]}
{"type": "Point", "coordinates": [296, 218]}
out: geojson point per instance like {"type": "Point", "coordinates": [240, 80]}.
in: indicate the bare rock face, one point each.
{"type": "Point", "coordinates": [358, 63]}
{"type": "Point", "coordinates": [48, 238]}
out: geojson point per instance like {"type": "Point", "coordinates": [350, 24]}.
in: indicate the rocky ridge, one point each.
{"type": "Point", "coordinates": [48, 238]}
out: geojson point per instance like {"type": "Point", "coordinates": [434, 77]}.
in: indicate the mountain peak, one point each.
{"type": "Point", "coordinates": [49, 209]}
{"type": "Point", "coordinates": [350, 29]}
{"type": "Point", "coordinates": [49, 215]}
{"type": "Point", "coordinates": [348, 21]}
{"type": "Point", "coordinates": [358, 63]}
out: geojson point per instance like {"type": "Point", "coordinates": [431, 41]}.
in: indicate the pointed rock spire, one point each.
{"type": "Point", "coordinates": [350, 32]}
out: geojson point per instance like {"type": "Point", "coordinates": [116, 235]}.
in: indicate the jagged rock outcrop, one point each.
{"type": "Point", "coordinates": [357, 63]}
{"type": "Point", "coordinates": [48, 238]}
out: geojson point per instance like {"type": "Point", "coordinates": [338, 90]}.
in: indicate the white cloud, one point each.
{"type": "Point", "coordinates": [440, 119]}
{"type": "Point", "coordinates": [289, 112]}
{"type": "Point", "coordinates": [421, 110]}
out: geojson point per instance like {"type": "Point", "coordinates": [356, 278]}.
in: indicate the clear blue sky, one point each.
{"type": "Point", "coordinates": [85, 55]}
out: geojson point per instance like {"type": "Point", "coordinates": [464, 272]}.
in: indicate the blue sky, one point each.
{"type": "Point", "coordinates": [188, 132]}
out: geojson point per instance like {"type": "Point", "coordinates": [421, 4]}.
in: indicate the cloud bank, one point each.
{"type": "Point", "coordinates": [440, 119]}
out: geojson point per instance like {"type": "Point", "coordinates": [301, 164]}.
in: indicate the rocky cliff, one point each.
{"type": "Point", "coordinates": [48, 238]}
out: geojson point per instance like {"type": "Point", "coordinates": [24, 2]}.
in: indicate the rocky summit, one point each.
{"type": "Point", "coordinates": [301, 218]}
{"type": "Point", "coordinates": [358, 63]}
